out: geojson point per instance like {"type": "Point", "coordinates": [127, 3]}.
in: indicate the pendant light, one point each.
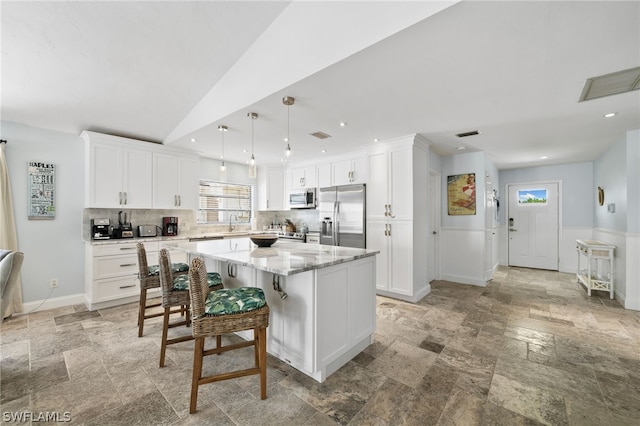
{"type": "Point", "coordinates": [288, 101]}
{"type": "Point", "coordinates": [252, 161]}
{"type": "Point", "coordinates": [223, 169]}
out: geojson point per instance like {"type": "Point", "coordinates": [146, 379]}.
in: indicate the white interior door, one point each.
{"type": "Point", "coordinates": [532, 223]}
{"type": "Point", "coordinates": [434, 221]}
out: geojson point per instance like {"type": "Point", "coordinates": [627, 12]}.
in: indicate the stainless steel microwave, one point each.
{"type": "Point", "coordinates": [302, 198]}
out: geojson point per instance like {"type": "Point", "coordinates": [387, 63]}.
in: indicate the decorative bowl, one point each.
{"type": "Point", "coordinates": [264, 240]}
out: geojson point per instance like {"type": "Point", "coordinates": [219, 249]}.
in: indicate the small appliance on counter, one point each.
{"type": "Point", "coordinates": [170, 226]}
{"type": "Point", "coordinates": [147, 230]}
{"type": "Point", "coordinates": [125, 230]}
{"type": "Point", "coordinates": [100, 229]}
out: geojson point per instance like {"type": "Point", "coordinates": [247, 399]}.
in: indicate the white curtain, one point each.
{"type": "Point", "coordinates": [8, 235]}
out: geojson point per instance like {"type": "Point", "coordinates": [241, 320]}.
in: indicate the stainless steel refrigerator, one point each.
{"type": "Point", "coordinates": [342, 215]}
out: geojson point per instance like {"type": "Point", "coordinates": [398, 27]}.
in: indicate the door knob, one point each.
{"type": "Point", "coordinates": [512, 229]}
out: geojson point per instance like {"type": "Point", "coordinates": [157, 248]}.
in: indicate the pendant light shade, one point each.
{"type": "Point", "coordinates": [288, 101]}
{"type": "Point", "coordinates": [252, 161]}
{"type": "Point", "coordinates": [223, 169]}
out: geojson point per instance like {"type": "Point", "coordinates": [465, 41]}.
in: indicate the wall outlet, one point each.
{"type": "Point", "coordinates": [54, 282]}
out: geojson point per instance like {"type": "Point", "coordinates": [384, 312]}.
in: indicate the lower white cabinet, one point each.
{"type": "Point", "coordinates": [394, 271]}
{"type": "Point", "coordinates": [111, 271]}
{"type": "Point", "coordinates": [320, 319]}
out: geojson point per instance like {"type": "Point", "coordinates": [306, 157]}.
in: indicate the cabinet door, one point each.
{"type": "Point", "coordinates": [324, 175]}
{"type": "Point", "coordinates": [401, 183]}
{"type": "Point", "coordinates": [359, 170]}
{"type": "Point", "coordinates": [332, 312]}
{"type": "Point", "coordinates": [138, 179]}
{"type": "Point", "coordinates": [361, 300]}
{"type": "Point", "coordinates": [274, 331]}
{"type": "Point", "coordinates": [297, 178]}
{"type": "Point", "coordinates": [297, 319]}
{"type": "Point", "coordinates": [189, 181]}
{"type": "Point", "coordinates": [166, 186]}
{"type": "Point", "coordinates": [378, 240]}
{"type": "Point", "coordinates": [341, 172]}
{"type": "Point", "coordinates": [401, 257]}
{"type": "Point", "coordinates": [105, 176]}
{"type": "Point", "coordinates": [377, 187]}
{"type": "Point", "coordinates": [272, 196]}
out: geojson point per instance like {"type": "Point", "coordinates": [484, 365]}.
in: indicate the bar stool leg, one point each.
{"type": "Point", "coordinates": [198, 354]}
{"type": "Point", "coordinates": [165, 333]}
{"type": "Point", "coordinates": [141, 312]}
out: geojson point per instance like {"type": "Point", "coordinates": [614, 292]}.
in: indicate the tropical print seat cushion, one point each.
{"type": "Point", "coordinates": [181, 282]}
{"type": "Point", "coordinates": [175, 267]}
{"type": "Point", "coordinates": [234, 301]}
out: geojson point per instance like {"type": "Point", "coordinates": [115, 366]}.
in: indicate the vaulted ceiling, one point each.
{"type": "Point", "coordinates": [171, 72]}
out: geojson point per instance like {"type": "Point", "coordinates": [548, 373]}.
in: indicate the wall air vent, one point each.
{"type": "Point", "coordinates": [465, 134]}
{"type": "Point", "coordinates": [320, 135]}
{"type": "Point", "coordinates": [611, 84]}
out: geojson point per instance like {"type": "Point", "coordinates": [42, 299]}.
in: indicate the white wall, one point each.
{"type": "Point", "coordinates": [52, 248]}
{"type": "Point", "coordinates": [633, 181]}
{"type": "Point", "coordinates": [610, 173]}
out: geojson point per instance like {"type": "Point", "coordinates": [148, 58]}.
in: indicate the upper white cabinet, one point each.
{"type": "Point", "coordinates": [271, 188]}
{"type": "Point", "coordinates": [303, 177]}
{"type": "Point", "coordinates": [349, 171]}
{"type": "Point", "coordinates": [116, 175]}
{"type": "Point", "coordinates": [324, 175]}
{"type": "Point", "coordinates": [123, 172]}
{"type": "Point", "coordinates": [176, 181]}
{"type": "Point", "coordinates": [391, 174]}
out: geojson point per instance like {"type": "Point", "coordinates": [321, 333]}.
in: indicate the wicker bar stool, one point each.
{"type": "Point", "coordinates": [226, 311]}
{"type": "Point", "coordinates": [175, 293]}
{"type": "Point", "coordinates": [149, 277]}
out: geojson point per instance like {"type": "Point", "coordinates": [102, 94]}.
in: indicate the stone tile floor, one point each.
{"type": "Point", "coordinates": [530, 348]}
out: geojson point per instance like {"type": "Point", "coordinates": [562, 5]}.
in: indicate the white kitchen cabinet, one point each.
{"type": "Point", "coordinates": [327, 317]}
{"type": "Point", "coordinates": [324, 175]}
{"type": "Point", "coordinates": [111, 273]}
{"type": "Point", "coordinates": [176, 181]}
{"type": "Point", "coordinates": [271, 188]}
{"type": "Point", "coordinates": [349, 171]}
{"type": "Point", "coordinates": [395, 261]}
{"type": "Point", "coordinates": [303, 177]}
{"type": "Point", "coordinates": [391, 174]}
{"type": "Point", "coordinates": [117, 175]}
{"type": "Point", "coordinates": [397, 217]}
{"type": "Point", "coordinates": [129, 173]}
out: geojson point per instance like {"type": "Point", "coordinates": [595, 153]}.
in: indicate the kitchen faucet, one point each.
{"type": "Point", "coordinates": [231, 227]}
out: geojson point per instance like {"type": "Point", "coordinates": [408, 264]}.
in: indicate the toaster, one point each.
{"type": "Point", "coordinates": [147, 230]}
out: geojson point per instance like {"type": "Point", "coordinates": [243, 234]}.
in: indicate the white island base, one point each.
{"type": "Point", "coordinates": [326, 319]}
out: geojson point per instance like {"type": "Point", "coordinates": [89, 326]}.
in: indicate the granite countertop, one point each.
{"type": "Point", "coordinates": [282, 258]}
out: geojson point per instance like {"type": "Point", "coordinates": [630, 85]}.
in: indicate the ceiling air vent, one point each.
{"type": "Point", "coordinates": [465, 134]}
{"type": "Point", "coordinates": [611, 84]}
{"type": "Point", "coordinates": [320, 135]}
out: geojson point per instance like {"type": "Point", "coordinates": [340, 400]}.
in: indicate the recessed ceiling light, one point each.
{"type": "Point", "coordinates": [343, 124]}
{"type": "Point", "coordinates": [324, 150]}
{"type": "Point", "coordinates": [376, 140]}
{"type": "Point", "coordinates": [244, 151]}
{"type": "Point", "coordinates": [610, 114]}
{"type": "Point", "coordinates": [544, 157]}
{"type": "Point", "coordinates": [461, 148]}
{"type": "Point", "coordinates": [193, 139]}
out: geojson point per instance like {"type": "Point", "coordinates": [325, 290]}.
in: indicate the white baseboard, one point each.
{"type": "Point", "coordinates": [464, 279]}
{"type": "Point", "coordinates": [56, 302]}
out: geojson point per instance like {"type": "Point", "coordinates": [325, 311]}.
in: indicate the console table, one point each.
{"type": "Point", "coordinates": [593, 275]}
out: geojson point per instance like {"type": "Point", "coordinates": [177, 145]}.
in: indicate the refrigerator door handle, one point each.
{"type": "Point", "coordinates": [336, 219]}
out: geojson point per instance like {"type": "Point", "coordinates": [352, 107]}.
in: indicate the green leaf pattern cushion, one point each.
{"type": "Point", "coordinates": [234, 301]}
{"type": "Point", "coordinates": [175, 267]}
{"type": "Point", "coordinates": [181, 282]}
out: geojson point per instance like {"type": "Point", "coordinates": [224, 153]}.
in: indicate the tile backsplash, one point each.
{"type": "Point", "coordinates": [188, 226]}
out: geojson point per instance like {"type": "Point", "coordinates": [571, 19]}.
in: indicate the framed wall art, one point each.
{"type": "Point", "coordinates": [461, 194]}
{"type": "Point", "coordinates": [42, 190]}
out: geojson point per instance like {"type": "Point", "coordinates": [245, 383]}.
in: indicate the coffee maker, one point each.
{"type": "Point", "coordinates": [100, 229]}
{"type": "Point", "coordinates": [170, 226]}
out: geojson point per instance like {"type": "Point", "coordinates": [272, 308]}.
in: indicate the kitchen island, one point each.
{"type": "Point", "coordinates": [322, 298]}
